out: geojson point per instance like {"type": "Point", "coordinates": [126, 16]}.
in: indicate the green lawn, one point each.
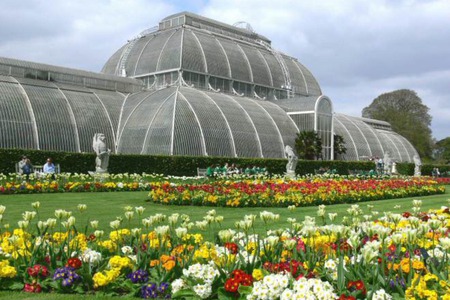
{"type": "Point", "coordinates": [105, 207]}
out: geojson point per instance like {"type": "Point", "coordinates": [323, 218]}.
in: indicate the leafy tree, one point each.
{"type": "Point", "coordinates": [308, 145]}
{"type": "Point", "coordinates": [339, 146]}
{"type": "Point", "coordinates": [404, 110]}
{"type": "Point", "coordinates": [442, 150]}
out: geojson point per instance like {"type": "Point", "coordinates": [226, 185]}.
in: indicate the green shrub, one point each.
{"type": "Point", "coordinates": [186, 165]}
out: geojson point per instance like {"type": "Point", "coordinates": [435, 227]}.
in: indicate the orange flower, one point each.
{"type": "Point", "coordinates": [168, 262]}
{"type": "Point", "coordinates": [154, 262]}
{"type": "Point", "coordinates": [405, 265]}
{"type": "Point", "coordinates": [418, 265]}
{"type": "Point", "coordinates": [169, 265]}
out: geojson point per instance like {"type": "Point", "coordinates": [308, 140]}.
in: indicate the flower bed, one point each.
{"type": "Point", "coordinates": [66, 182]}
{"type": "Point", "coordinates": [302, 192]}
{"type": "Point", "coordinates": [241, 190]}
{"type": "Point", "coordinates": [397, 255]}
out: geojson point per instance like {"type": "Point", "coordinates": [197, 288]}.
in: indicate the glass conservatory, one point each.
{"type": "Point", "coordinates": [190, 86]}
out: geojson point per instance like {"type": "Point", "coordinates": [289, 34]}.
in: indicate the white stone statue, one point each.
{"type": "Point", "coordinates": [292, 160]}
{"type": "Point", "coordinates": [417, 165]}
{"type": "Point", "coordinates": [394, 168]}
{"type": "Point", "coordinates": [387, 162]}
{"type": "Point", "coordinates": [102, 159]}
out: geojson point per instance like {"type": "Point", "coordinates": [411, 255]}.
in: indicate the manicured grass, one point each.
{"type": "Point", "coordinates": [105, 207]}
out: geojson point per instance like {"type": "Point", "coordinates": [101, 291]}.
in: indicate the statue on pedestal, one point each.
{"type": "Point", "coordinates": [292, 160]}
{"type": "Point", "coordinates": [102, 159]}
{"type": "Point", "coordinates": [387, 162]}
{"type": "Point", "coordinates": [417, 165]}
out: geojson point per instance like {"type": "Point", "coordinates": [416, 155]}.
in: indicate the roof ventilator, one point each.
{"type": "Point", "coordinates": [121, 66]}
{"type": "Point", "coordinates": [284, 68]}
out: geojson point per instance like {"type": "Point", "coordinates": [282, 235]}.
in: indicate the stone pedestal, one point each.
{"type": "Point", "coordinates": [99, 176]}
{"type": "Point", "coordinates": [290, 174]}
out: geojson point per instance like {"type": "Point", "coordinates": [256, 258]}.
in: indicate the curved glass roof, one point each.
{"type": "Point", "coordinates": [37, 114]}
{"type": "Point", "coordinates": [43, 72]}
{"type": "Point", "coordinates": [187, 121]}
{"type": "Point", "coordinates": [298, 104]}
{"type": "Point", "coordinates": [363, 141]}
{"type": "Point", "coordinates": [196, 49]}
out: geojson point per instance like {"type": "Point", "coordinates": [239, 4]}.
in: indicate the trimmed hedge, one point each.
{"type": "Point", "coordinates": [185, 165]}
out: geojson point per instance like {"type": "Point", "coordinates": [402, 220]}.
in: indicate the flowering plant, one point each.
{"type": "Point", "coordinates": [367, 256]}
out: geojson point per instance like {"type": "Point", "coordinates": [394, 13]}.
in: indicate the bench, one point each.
{"type": "Point", "coordinates": [39, 169]}
{"type": "Point", "coordinates": [359, 172]}
{"type": "Point", "coordinates": [201, 172]}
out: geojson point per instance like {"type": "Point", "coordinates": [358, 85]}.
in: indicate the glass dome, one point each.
{"type": "Point", "coordinates": [204, 46]}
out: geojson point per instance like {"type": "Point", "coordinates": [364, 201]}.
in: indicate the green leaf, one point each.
{"type": "Point", "coordinates": [16, 286]}
{"type": "Point", "coordinates": [184, 294]}
{"type": "Point", "coordinates": [245, 290]}
{"type": "Point", "coordinates": [222, 294]}
{"type": "Point", "coordinates": [341, 275]}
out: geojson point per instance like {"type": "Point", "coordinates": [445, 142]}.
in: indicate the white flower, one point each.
{"type": "Point", "coordinates": [417, 203]}
{"type": "Point", "coordinates": [28, 215]}
{"type": "Point", "coordinates": [436, 253]}
{"type": "Point", "coordinates": [23, 224]}
{"type": "Point", "coordinates": [99, 233]}
{"type": "Point", "coordinates": [41, 225]}
{"type": "Point", "coordinates": [381, 295]}
{"type": "Point", "coordinates": [205, 272]}
{"type": "Point", "coordinates": [203, 290]}
{"type": "Point", "coordinates": [114, 224]}
{"type": "Point", "coordinates": [129, 215]}
{"type": "Point", "coordinates": [139, 210]}
{"type": "Point", "coordinates": [330, 265]}
{"type": "Point", "coordinates": [272, 241]}
{"type": "Point", "coordinates": [271, 287]}
{"type": "Point", "coordinates": [82, 207]}
{"type": "Point", "coordinates": [177, 285]}
{"type": "Point", "coordinates": [173, 219]}
{"type": "Point", "coordinates": [370, 251]}
{"type": "Point", "coordinates": [267, 216]}
{"type": "Point", "coordinates": [202, 225]}
{"type": "Point", "coordinates": [71, 221]}
{"type": "Point", "coordinates": [51, 223]}
{"type": "Point", "coordinates": [445, 243]}
{"type": "Point", "coordinates": [91, 257]}
{"type": "Point", "coordinates": [162, 230]}
{"type": "Point", "coordinates": [332, 216]}
{"type": "Point", "coordinates": [94, 224]}
{"type": "Point", "coordinates": [136, 232]}
{"type": "Point", "coordinates": [321, 210]}
{"type": "Point", "coordinates": [127, 250]}
{"type": "Point", "coordinates": [181, 232]}
{"type": "Point", "coordinates": [61, 213]}
{"type": "Point", "coordinates": [212, 212]}
{"type": "Point", "coordinates": [147, 222]}
{"type": "Point", "coordinates": [290, 244]}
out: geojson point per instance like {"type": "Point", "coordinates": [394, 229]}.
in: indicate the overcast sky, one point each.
{"type": "Point", "coordinates": [356, 49]}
